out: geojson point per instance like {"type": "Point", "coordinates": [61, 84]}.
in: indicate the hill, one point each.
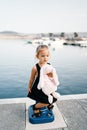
{"type": "Point", "coordinates": [9, 33]}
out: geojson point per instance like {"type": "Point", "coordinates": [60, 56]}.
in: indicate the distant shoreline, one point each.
{"type": "Point", "coordinates": [15, 35]}
{"type": "Point", "coordinates": [3, 36]}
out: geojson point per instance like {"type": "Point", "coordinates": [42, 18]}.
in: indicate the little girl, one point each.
{"type": "Point", "coordinates": [43, 55]}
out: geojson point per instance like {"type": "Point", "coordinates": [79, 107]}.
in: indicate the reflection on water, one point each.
{"type": "Point", "coordinates": [17, 59]}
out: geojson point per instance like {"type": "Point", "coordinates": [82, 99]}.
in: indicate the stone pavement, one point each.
{"type": "Point", "coordinates": [74, 112]}
{"type": "Point", "coordinates": [12, 117]}
{"type": "Point", "coordinates": [72, 109]}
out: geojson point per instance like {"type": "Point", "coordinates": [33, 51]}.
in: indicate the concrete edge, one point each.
{"type": "Point", "coordinates": [26, 99]}
{"type": "Point", "coordinates": [73, 97]}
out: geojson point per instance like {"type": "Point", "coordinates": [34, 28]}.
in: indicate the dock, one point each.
{"type": "Point", "coordinates": [70, 114]}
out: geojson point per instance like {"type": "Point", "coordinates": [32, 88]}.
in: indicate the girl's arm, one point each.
{"type": "Point", "coordinates": [54, 77]}
{"type": "Point", "coordinates": [32, 77]}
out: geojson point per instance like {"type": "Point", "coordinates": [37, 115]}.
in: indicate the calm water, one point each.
{"type": "Point", "coordinates": [17, 59]}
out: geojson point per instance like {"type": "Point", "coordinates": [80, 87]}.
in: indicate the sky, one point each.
{"type": "Point", "coordinates": [43, 16]}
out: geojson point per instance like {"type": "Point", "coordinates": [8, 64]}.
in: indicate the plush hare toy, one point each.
{"type": "Point", "coordinates": [48, 84]}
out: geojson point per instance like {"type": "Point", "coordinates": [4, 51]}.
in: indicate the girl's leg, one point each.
{"type": "Point", "coordinates": [39, 105]}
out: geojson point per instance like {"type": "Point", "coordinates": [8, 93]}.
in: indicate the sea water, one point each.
{"type": "Point", "coordinates": [17, 58]}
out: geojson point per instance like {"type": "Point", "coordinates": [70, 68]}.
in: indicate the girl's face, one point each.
{"type": "Point", "coordinates": [43, 56]}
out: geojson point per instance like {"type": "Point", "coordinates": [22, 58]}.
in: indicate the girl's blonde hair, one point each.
{"type": "Point", "coordinates": [40, 48]}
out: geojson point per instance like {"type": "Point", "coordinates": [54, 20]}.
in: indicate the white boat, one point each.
{"type": "Point", "coordinates": [82, 43]}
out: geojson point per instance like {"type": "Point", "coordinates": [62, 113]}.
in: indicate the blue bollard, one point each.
{"type": "Point", "coordinates": [46, 116]}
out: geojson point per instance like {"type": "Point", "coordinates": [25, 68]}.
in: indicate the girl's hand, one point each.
{"type": "Point", "coordinates": [29, 90]}
{"type": "Point", "coordinates": [50, 75]}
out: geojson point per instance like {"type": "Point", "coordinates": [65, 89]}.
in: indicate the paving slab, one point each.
{"type": "Point", "coordinates": [12, 116]}
{"type": "Point", "coordinates": [74, 113]}
{"type": "Point", "coordinates": [83, 104]}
